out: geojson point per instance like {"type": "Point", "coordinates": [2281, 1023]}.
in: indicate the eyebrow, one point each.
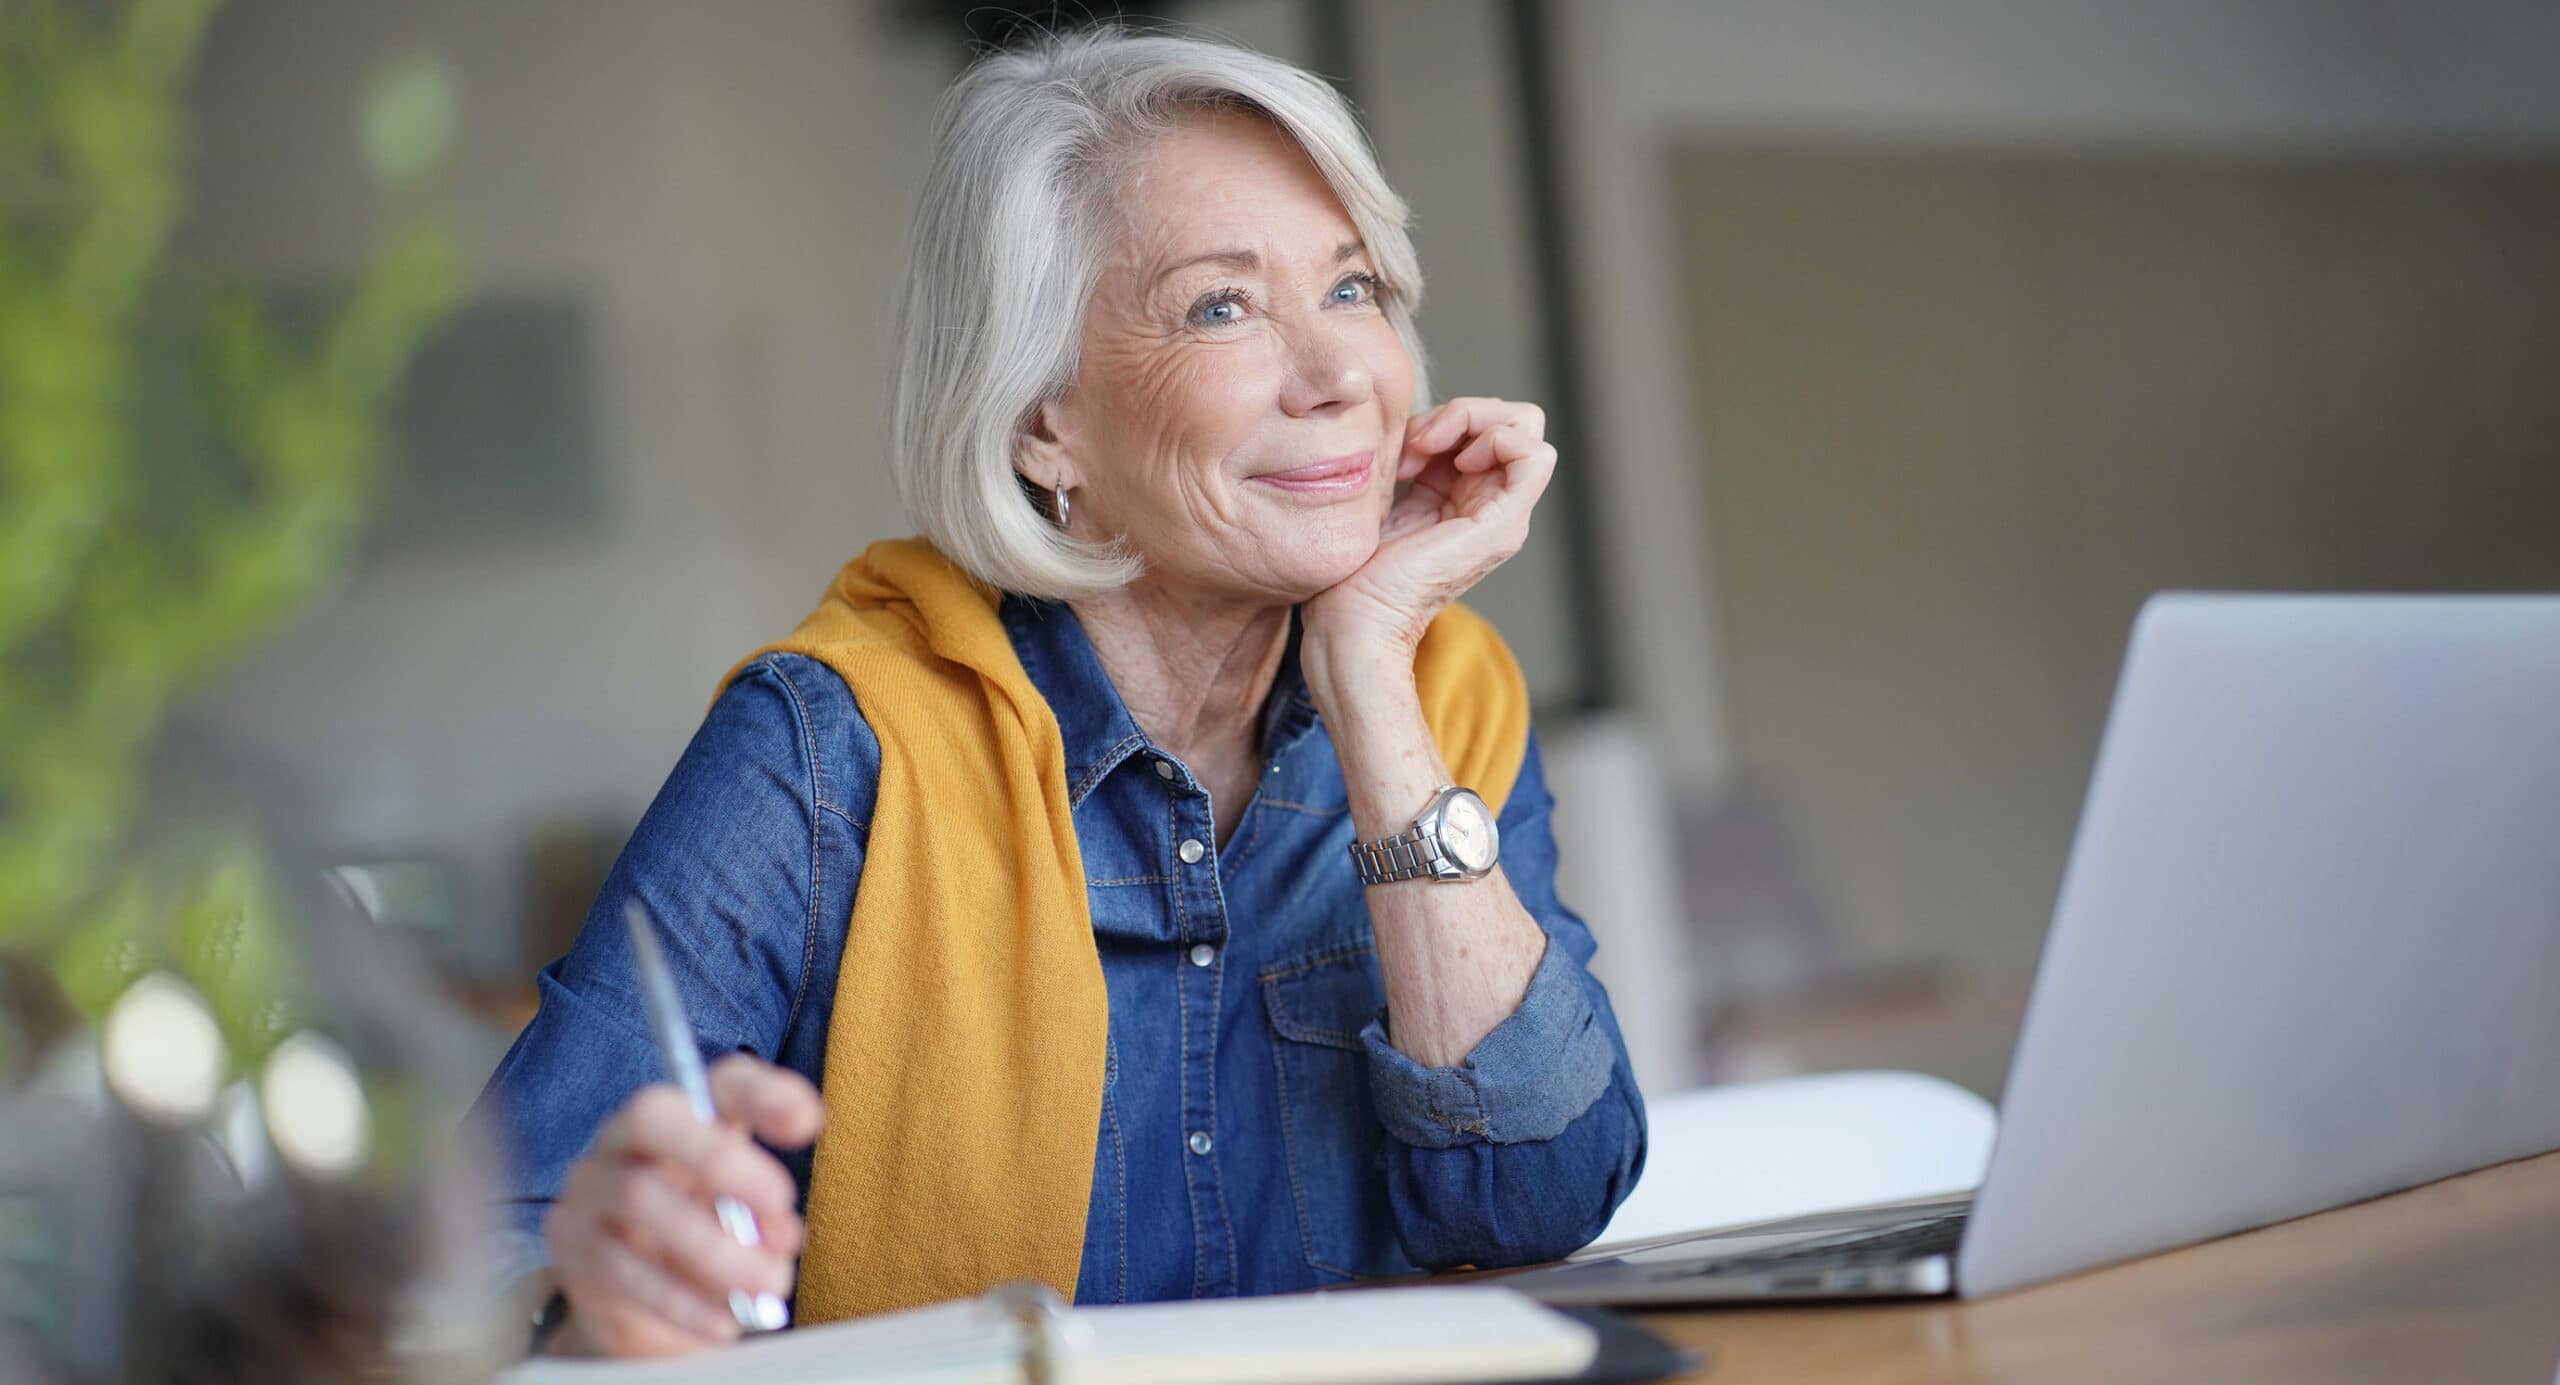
{"type": "Point", "coordinates": [1246, 259]}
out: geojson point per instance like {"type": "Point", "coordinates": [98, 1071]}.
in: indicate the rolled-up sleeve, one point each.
{"type": "Point", "coordinates": [1522, 1150]}
{"type": "Point", "coordinates": [1527, 1080]}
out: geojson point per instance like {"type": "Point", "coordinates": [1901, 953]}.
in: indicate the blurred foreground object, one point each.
{"type": "Point", "coordinates": [171, 1213]}
{"type": "Point", "coordinates": [216, 1104]}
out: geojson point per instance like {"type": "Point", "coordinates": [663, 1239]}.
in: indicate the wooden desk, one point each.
{"type": "Point", "coordinates": [2458, 1281]}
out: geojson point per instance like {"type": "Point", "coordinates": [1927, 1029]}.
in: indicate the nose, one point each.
{"type": "Point", "coordinates": [1326, 373]}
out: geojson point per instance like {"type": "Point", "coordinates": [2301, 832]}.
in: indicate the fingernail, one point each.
{"type": "Point", "coordinates": [771, 1314]}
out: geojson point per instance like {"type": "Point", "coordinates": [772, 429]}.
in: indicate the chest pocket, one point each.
{"type": "Point", "coordinates": [1317, 1005]}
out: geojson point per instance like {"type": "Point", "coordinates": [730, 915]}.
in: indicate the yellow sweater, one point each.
{"type": "Point", "coordinates": [970, 998]}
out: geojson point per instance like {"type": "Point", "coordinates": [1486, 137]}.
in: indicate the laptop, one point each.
{"type": "Point", "coordinates": [2306, 952]}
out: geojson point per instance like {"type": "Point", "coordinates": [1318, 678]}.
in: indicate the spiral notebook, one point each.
{"type": "Point", "coordinates": [1438, 1334]}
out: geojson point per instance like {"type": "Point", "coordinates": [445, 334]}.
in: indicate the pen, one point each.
{"type": "Point", "coordinates": [756, 1312]}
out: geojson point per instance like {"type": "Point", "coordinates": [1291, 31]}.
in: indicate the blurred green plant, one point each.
{"type": "Point", "coordinates": [183, 465]}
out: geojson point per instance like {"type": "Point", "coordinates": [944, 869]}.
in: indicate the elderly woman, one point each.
{"type": "Point", "coordinates": [1143, 882]}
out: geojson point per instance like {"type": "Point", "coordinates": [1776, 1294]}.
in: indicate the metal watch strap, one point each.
{"type": "Point", "coordinates": [1406, 856]}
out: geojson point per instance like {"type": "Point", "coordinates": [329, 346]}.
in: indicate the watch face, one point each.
{"type": "Point", "coordinates": [1467, 832]}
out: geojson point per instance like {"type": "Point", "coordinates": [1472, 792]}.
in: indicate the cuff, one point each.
{"type": "Point", "coordinates": [1531, 1077]}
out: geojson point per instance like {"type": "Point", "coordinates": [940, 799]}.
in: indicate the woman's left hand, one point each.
{"type": "Point", "coordinates": [1478, 467]}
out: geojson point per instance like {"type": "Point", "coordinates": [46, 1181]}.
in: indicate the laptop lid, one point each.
{"type": "Point", "coordinates": [2307, 948]}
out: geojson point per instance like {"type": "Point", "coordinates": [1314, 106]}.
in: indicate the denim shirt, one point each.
{"type": "Point", "coordinates": [1259, 1131]}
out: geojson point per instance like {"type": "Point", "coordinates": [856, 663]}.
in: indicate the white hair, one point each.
{"type": "Point", "coordinates": [1030, 144]}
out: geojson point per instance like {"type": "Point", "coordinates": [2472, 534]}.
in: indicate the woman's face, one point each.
{"type": "Point", "coordinates": [1240, 407]}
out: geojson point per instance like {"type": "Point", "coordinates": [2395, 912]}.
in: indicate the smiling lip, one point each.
{"type": "Point", "coordinates": [1333, 474]}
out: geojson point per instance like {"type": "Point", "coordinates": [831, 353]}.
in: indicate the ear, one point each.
{"type": "Point", "coordinates": [1039, 451]}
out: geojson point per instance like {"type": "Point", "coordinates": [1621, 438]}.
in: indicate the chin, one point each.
{"type": "Point", "coordinates": [1314, 557]}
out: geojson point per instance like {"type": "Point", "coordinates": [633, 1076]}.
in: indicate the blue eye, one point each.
{"type": "Point", "coordinates": [1359, 288]}
{"type": "Point", "coordinates": [1224, 308]}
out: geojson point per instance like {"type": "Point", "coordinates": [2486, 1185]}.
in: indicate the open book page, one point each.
{"type": "Point", "coordinates": [1372, 1336]}
{"type": "Point", "coordinates": [969, 1342]}
{"type": "Point", "coordinates": [1364, 1337]}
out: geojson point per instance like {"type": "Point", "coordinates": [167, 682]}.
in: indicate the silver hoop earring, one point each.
{"type": "Point", "coordinates": [1062, 506]}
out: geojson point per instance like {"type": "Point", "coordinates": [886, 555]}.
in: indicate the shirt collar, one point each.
{"type": "Point", "coordinates": [1093, 722]}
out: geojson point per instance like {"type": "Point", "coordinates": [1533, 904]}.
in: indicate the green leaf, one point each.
{"type": "Point", "coordinates": [411, 110]}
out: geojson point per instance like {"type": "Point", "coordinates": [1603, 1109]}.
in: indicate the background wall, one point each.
{"type": "Point", "coordinates": [1874, 749]}
{"type": "Point", "coordinates": [1963, 411]}
{"type": "Point", "coordinates": [722, 189]}
{"type": "Point", "coordinates": [1641, 75]}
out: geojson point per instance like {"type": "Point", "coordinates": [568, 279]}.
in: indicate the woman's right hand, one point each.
{"type": "Point", "coordinates": [635, 1245]}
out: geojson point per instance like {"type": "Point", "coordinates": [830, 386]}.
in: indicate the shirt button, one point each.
{"type": "Point", "coordinates": [1164, 769]}
{"type": "Point", "coordinates": [1200, 1142]}
{"type": "Point", "coordinates": [1202, 954]}
{"type": "Point", "coordinates": [1190, 851]}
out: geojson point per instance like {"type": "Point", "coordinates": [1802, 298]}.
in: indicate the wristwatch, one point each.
{"type": "Point", "coordinates": [1454, 839]}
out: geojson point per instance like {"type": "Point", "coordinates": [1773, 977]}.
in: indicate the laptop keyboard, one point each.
{"type": "Point", "coordinates": [1900, 1241]}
